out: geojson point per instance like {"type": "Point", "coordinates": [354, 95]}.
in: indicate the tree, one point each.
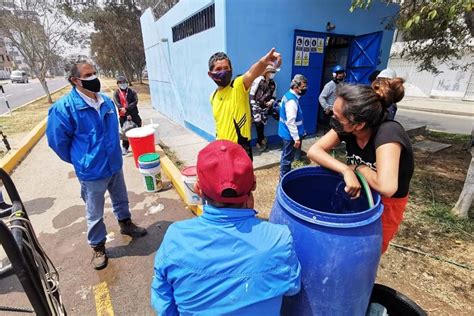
{"type": "Point", "coordinates": [436, 31]}
{"type": "Point", "coordinates": [116, 44]}
{"type": "Point", "coordinates": [159, 7]}
{"type": "Point", "coordinates": [466, 197]}
{"type": "Point", "coordinates": [39, 32]}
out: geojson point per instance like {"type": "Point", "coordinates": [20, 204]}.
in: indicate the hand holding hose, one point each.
{"type": "Point", "coordinates": [352, 183]}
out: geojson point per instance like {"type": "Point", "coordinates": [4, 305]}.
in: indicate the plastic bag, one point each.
{"type": "Point", "coordinates": [127, 125]}
{"type": "Point", "coordinates": [274, 111]}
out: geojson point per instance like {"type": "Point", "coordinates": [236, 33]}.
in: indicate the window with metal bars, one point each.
{"type": "Point", "coordinates": [199, 22]}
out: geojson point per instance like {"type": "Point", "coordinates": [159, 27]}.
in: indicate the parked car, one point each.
{"type": "Point", "coordinates": [19, 76]}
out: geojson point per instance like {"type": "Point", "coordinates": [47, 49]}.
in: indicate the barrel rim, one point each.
{"type": "Point", "coordinates": [307, 214]}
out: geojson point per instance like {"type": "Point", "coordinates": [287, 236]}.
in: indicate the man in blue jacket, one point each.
{"type": "Point", "coordinates": [227, 261]}
{"type": "Point", "coordinates": [83, 130]}
{"type": "Point", "coordinates": [291, 127]}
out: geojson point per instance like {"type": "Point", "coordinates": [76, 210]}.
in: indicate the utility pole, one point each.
{"type": "Point", "coordinates": [3, 97]}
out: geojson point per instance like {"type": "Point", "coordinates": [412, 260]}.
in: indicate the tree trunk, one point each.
{"type": "Point", "coordinates": [44, 84]}
{"type": "Point", "coordinates": [467, 194]}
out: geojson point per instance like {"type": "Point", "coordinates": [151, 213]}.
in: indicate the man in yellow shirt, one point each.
{"type": "Point", "coordinates": [230, 101]}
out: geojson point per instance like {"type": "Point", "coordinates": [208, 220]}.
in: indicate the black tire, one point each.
{"type": "Point", "coordinates": [395, 302]}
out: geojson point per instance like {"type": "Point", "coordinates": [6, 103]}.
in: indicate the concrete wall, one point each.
{"type": "Point", "coordinates": [449, 83]}
{"type": "Point", "coordinates": [180, 87]}
{"type": "Point", "coordinates": [246, 30]}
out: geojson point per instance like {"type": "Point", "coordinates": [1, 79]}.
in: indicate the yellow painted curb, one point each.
{"type": "Point", "coordinates": [103, 302]}
{"type": "Point", "coordinates": [13, 158]}
{"type": "Point", "coordinates": [173, 173]}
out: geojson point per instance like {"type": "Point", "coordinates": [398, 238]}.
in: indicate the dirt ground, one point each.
{"type": "Point", "coordinates": [439, 287]}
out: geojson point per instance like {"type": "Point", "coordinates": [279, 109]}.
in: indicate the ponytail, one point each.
{"type": "Point", "coordinates": [368, 104]}
{"type": "Point", "coordinates": [390, 91]}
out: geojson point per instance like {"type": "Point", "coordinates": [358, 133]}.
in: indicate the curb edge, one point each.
{"type": "Point", "coordinates": [173, 173]}
{"type": "Point", "coordinates": [14, 157]}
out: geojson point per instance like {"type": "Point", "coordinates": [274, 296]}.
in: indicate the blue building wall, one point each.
{"type": "Point", "coordinates": [254, 27]}
{"type": "Point", "coordinates": [245, 30]}
{"type": "Point", "coordinates": [179, 84]}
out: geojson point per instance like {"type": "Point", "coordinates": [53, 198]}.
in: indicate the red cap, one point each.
{"type": "Point", "coordinates": [225, 165]}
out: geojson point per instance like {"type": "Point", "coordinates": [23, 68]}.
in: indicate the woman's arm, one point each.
{"type": "Point", "coordinates": [319, 153]}
{"type": "Point", "coordinates": [385, 179]}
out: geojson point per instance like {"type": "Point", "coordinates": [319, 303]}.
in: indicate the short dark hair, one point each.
{"type": "Point", "coordinates": [218, 56]}
{"type": "Point", "coordinates": [72, 70]}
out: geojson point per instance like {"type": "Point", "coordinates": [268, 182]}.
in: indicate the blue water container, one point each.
{"type": "Point", "coordinates": [339, 249]}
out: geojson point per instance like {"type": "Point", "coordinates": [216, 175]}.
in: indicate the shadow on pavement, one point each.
{"type": "Point", "coordinates": [143, 246]}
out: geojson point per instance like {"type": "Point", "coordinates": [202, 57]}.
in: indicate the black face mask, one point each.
{"type": "Point", "coordinates": [91, 85]}
{"type": "Point", "coordinates": [303, 92]}
{"type": "Point", "coordinates": [222, 78]}
{"type": "Point", "coordinates": [337, 126]}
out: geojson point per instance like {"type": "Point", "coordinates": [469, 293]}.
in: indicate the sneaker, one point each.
{"type": "Point", "coordinates": [124, 151]}
{"type": "Point", "coordinates": [127, 227]}
{"type": "Point", "coordinates": [99, 257]}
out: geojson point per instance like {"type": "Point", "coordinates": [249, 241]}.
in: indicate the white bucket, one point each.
{"type": "Point", "coordinates": [152, 179]}
{"type": "Point", "coordinates": [155, 127]}
{"type": "Point", "coordinates": [189, 177]}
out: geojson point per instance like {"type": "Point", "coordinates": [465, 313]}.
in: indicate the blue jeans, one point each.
{"type": "Point", "coordinates": [92, 192]}
{"type": "Point", "coordinates": [287, 156]}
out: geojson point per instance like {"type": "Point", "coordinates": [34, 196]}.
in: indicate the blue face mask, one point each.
{"type": "Point", "coordinates": [222, 78]}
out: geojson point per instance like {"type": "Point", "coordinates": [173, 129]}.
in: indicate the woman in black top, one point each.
{"type": "Point", "coordinates": [378, 148]}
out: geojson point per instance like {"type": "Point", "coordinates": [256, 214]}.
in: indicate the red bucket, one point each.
{"type": "Point", "coordinates": [142, 141]}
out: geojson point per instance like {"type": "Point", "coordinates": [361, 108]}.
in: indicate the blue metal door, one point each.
{"type": "Point", "coordinates": [309, 64]}
{"type": "Point", "coordinates": [364, 57]}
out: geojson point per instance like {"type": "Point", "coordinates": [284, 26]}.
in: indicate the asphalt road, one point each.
{"type": "Point", "coordinates": [438, 122]}
{"type": "Point", "coordinates": [18, 94]}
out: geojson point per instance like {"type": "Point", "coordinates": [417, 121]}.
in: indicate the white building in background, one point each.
{"type": "Point", "coordinates": [449, 83]}
{"type": "Point", "coordinates": [18, 59]}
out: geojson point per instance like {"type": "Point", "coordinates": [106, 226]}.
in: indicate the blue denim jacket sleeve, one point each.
{"type": "Point", "coordinates": [294, 281]}
{"type": "Point", "coordinates": [59, 131]}
{"type": "Point", "coordinates": [162, 298]}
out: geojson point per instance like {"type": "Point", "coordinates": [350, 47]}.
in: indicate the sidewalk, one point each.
{"type": "Point", "coordinates": [51, 194]}
{"type": "Point", "coordinates": [186, 144]}
{"type": "Point", "coordinates": [438, 105]}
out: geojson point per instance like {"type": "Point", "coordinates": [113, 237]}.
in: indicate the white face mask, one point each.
{"type": "Point", "coordinates": [123, 86]}
{"type": "Point", "coordinates": [271, 75]}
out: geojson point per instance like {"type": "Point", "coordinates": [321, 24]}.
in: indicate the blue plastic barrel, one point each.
{"type": "Point", "coordinates": [339, 251]}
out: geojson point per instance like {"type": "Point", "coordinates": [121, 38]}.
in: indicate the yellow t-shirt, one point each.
{"type": "Point", "coordinates": [231, 110]}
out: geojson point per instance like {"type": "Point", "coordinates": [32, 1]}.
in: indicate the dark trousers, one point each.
{"type": "Point", "coordinates": [260, 127]}
{"type": "Point", "coordinates": [136, 119]}
{"type": "Point", "coordinates": [323, 120]}
{"type": "Point", "coordinates": [287, 156]}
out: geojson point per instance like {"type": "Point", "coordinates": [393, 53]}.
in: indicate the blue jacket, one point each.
{"type": "Point", "coordinates": [283, 130]}
{"type": "Point", "coordinates": [81, 136]}
{"type": "Point", "coordinates": [225, 262]}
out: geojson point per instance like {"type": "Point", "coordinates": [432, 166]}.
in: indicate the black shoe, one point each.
{"type": "Point", "coordinates": [127, 227]}
{"type": "Point", "coordinates": [99, 257]}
